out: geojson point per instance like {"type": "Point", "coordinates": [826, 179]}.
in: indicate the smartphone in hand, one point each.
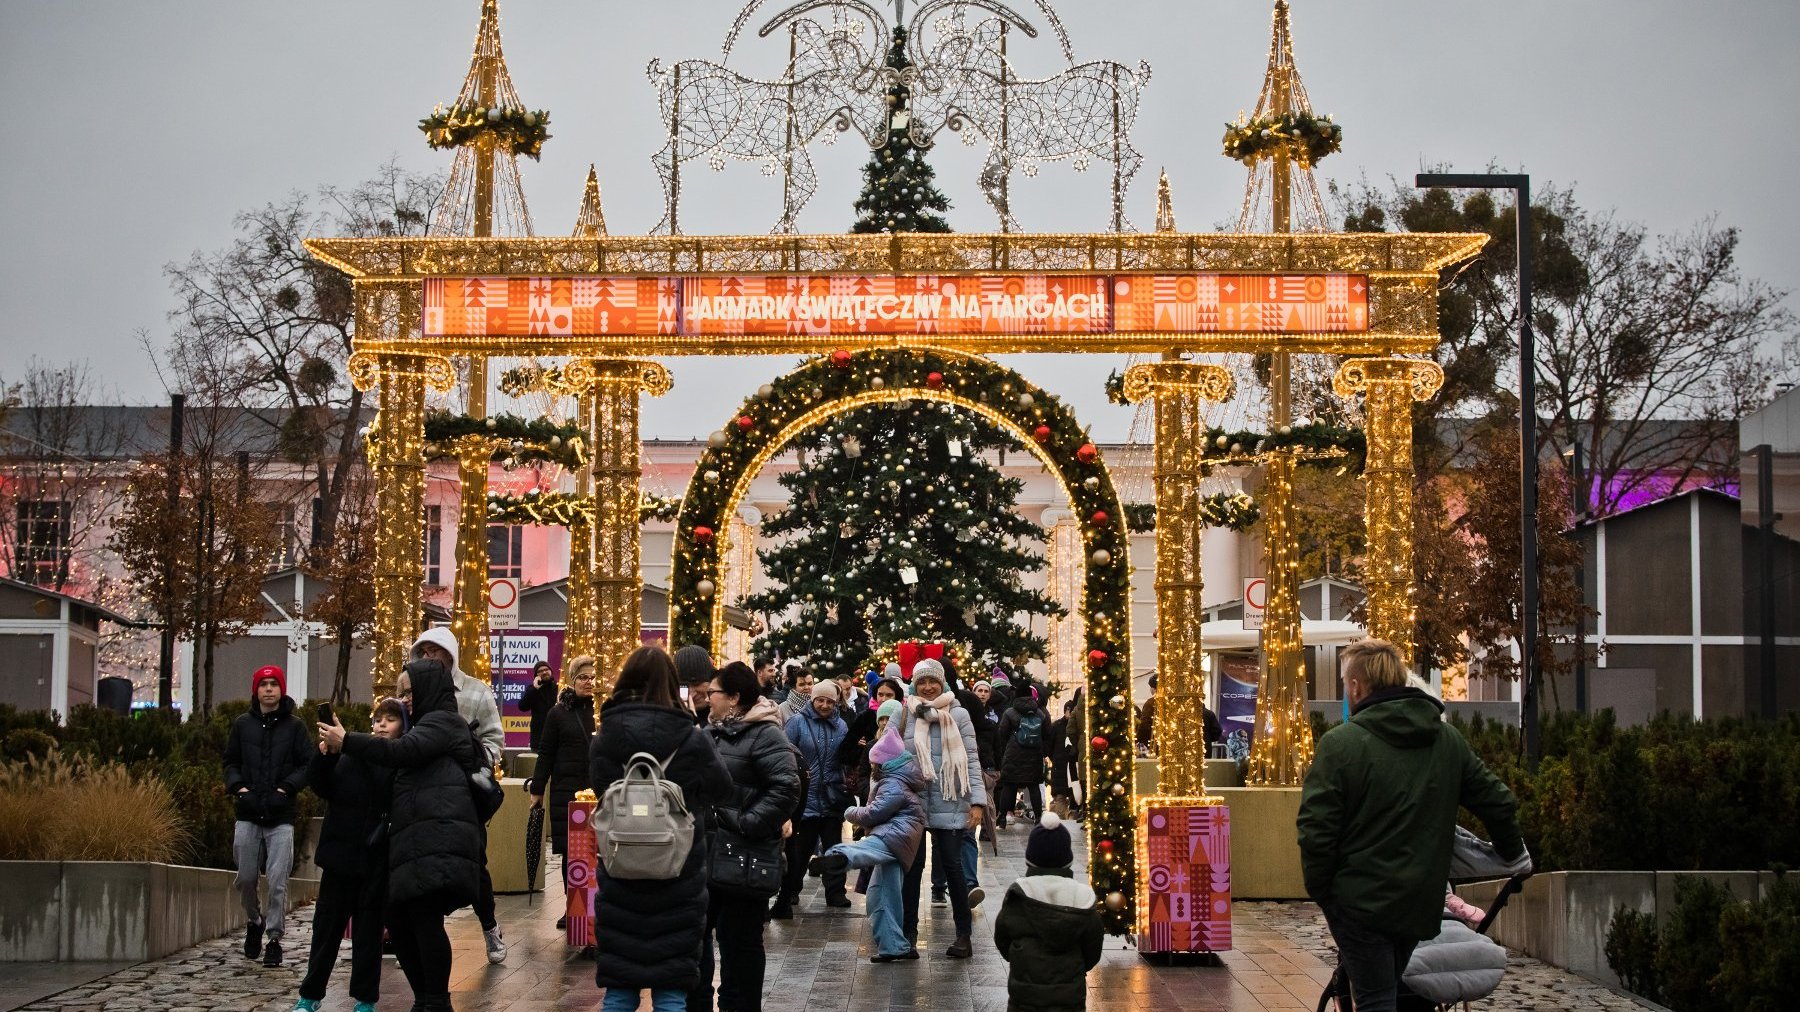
{"type": "Point", "coordinates": [324, 714]}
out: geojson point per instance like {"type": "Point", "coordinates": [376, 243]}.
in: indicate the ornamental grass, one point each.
{"type": "Point", "coordinates": [62, 809]}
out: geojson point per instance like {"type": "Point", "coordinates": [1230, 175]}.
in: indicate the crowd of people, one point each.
{"type": "Point", "coordinates": [721, 790]}
{"type": "Point", "coordinates": [782, 776]}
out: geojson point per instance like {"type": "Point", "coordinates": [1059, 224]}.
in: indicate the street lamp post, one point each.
{"type": "Point", "coordinates": [1520, 184]}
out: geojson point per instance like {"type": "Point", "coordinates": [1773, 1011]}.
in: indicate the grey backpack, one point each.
{"type": "Point", "coordinates": [642, 824]}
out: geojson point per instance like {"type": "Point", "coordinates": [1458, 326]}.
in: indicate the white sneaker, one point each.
{"type": "Point", "coordinates": [976, 895]}
{"type": "Point", "coordinates": [496, 946]}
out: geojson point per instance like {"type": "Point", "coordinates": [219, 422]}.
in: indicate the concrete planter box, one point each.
{"type": "Point", "coordinates": [117, 911]}
{"type": "Point", "coordinates": [1561, 917]}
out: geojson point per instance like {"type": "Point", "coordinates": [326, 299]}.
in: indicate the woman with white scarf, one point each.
{"type": "Point", "coordinates": [942, 737]}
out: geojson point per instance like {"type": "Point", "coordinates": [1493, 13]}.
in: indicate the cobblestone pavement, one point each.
{"type": "Point", "coordinates": [818, 961]}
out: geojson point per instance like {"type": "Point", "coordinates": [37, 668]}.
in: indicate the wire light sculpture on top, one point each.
{"type": "Point", "coordinates": [835, 82]}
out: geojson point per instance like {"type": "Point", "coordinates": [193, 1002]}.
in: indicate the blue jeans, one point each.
{"type": "Point", "coordinates": [884, 891]}
{"type": "Point", "coordinates": [971, 851]}
{"type": "Point", "coordinates": [662, 999]}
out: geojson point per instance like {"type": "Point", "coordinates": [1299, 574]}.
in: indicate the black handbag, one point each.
{"type": "Point", "coordinates": [752, 867]}
{"type": "Point", "coordinates": [483, 788]}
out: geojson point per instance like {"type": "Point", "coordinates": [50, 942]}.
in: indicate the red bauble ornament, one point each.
{"type": "Point", "coordinates": [1097, 658]}
{"type": "Point", "coordinates": [1106, 846]}
{"type": "Point", "coordinates": [1100, 518]}
{"type": "Point", "coordinates": [841, 358]}
{"type": "Point", "coordinates": [746, 423]}
{"type": "Point", "coordinates": [1041, 434]}
{"type": "Point", "coordinates": [934, 380]}
{"type": "Point", "coordinates": [1087, 453]}
{"type": "Point", "coordinates": [1099, 743]}
{"type": "Point", "coordinates": [703, 534]}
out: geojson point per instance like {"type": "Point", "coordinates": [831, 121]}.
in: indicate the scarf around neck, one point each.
{"type": "Point", "coordinates": [953, 781]}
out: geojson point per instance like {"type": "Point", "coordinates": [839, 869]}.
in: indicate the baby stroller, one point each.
{"type": "Point", "coordinates": [1461, 964]}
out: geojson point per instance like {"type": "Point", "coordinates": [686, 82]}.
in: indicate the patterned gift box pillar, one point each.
{"type": "Point", "coordinates": [581, 874]}
{"type": "Point", "coordinates": [1184, 875]}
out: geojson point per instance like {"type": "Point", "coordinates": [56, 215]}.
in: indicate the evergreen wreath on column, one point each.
{"type": "Point", "coordinates": [900, 191]}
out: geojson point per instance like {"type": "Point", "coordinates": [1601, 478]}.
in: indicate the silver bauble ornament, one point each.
{"type": "Point", "coordinates": [704, 588]}
{"type": "Point", "coordinates": [1101, 556]}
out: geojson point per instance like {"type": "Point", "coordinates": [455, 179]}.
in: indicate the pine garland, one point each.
{"type": "Point", "coordinates": [514, 130]}
{"type": "Point", "coordinates": [1303, 136]}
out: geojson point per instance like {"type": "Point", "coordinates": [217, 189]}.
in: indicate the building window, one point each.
{"type": "Point", "coordinates": [506, 552]}
{"type": "Point", "coordinates": [434, 546]}
{"type": "Point", "coordinates": [43, 541]}
{"type": "Point", "coordinates": [287, 536]}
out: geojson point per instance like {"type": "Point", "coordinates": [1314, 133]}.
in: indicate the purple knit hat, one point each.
{"type": "Point", "coordinates": [889, 746]}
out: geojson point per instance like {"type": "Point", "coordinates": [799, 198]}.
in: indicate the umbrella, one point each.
{"type": "Point", "coordinates": [534, 846]}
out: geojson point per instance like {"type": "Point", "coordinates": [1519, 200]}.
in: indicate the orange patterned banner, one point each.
{"type": "Point", "coordinates": [884, 304]}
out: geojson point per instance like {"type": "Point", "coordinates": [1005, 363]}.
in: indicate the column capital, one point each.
{"type": "Point", "coordinates": [1423, 376]}
{"type": "Point", "coordinates": [1146, 379]}
{"type": "Point", "coordinates": [366, 369]}
{"type": "Point", "coordinates": [590, 374]}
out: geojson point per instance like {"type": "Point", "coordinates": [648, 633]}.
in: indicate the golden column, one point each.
{"type": "Point", "coordinates": [397, 459]}
{"type": "Point", "coordinates": [1390, 386]}
{"type": "Point", "coordinates": [1281, 747]}
{"type": "Point", "coordinates": [616, 580]}
{"type": "Point", "coordinates": [1181, 391]}
{"type": "Point", "coordinates": [581, 627]}
{"type": "Point", "coordinates": [468, 617]}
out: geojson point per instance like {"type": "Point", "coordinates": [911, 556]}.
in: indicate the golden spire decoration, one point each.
{"type": "Point", "coordinates": [1274, 143]}
{"type": "Point", "coordinates": [1165, 207]}
{"type": "Point", "coordinates": [590, 221]}
{"type": "Point", "coordinates": [489, 126]}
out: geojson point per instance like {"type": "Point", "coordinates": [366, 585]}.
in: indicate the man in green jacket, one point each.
{"type": "Point", "coordinates": [1377, 816]}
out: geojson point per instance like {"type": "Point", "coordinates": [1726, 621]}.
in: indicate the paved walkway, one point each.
{"type": "Point", "coordinates": [817, 962]}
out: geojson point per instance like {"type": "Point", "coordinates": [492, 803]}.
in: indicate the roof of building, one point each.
{"type": "Point", "coordinates": [99, 609]}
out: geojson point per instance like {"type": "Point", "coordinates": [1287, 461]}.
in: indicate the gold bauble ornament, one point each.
{"type": "Point", "coordinates": [1115, 901]}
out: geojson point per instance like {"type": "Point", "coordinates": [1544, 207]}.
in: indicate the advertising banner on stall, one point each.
{"type": "Point", "coordinates": [1238, 676]}
{"type": "Point", "coordinates": [516, 652]}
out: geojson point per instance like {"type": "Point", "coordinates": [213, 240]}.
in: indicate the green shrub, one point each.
{"type": "Point", "coordinates": [25, 743]}
{"type": "Point", "coordinates": [1714, 952]}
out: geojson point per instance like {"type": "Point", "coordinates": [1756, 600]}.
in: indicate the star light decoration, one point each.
{"type": "Point", "coordinates": [836, 82]}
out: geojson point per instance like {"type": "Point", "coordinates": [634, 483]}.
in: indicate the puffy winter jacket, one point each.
{"type": "Point", "coordinates": [1378, 811]}
{"type": "Point", "coordinates": [538, 700]}
{"type": "Point", "coordinates": [953, 812]}
{"type": "Point", "coordinates": [358, 793]}
{"type": "Point", "coordinates": [648, 932]}
{"type": "Point", "coordinates": [818, 740]}
{"type": "Point", "coordinates": [562, 766]}
{"type": "Point", "coordinates": [436, 844]}
{"type": "Point", "coordinates": [268, 753]}
{"type": "Point", "coordinates": [765, 772]}
{"type": "Point", "coordinates": [895, 815]}
{"type": "Point", "coordinates": [1022, 763]}
{"type": "Point", "coordinates": [1050, 931]}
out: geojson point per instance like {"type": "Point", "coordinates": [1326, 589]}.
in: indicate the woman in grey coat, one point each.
{"type": "Point", "coordinates": [942, 737]}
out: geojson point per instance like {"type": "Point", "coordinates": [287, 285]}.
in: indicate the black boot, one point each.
{"type": "Point", "coordinates": [253, 941]}
{"type": "Point", "coordinates": [272, 954]}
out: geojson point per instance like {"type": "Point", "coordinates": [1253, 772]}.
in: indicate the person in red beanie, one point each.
{"type": "Point", "coordinates": [265, 768]}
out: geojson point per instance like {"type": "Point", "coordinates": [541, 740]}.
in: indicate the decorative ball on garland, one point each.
{"type": "Point", "coordinates": [1087, 453]}
{"type": "Point", "coordinates": [1117, 702]}
{"type": "Point", "coordinates": [840, 359]}
{"type": "Point", "coordinates": [1099, 743]}
{"type": "Point", "coordinates": [1090, 483]}
{"type": "Point", "coordinates": [1106, 847]}
{"type": "Point", "coordinates": [717, 440]}
{"type": "Point", "coordinates": [711, 477]}
{"type": "Point", "coordinates": [704, 588]}
{"type": "Point", "coordinates": [1097, 658]}
{"type": "Point", "coordinates": [876, 383]}
{"type": "Point", "coordinates": [1100, 518]}
{"type": "Point", "coordinates": [1101, 556]}
{"type": "Point", "coordinates": [1115, 901]}
{"type": "Point", "coordinates": [703, 535]}
{"type": "Point", "coordinates": [1041, 434]}
{"type": "Point", "coordinates": [765, 391]}
{"type": "Point", "coordinates": [746, 423]}
{"type": "Point", "coordinates": [1118, 789]}
{"type": "Point", "coordinates": [1026, 400]}
{"type": "Point", "coordinates": [934, 380]}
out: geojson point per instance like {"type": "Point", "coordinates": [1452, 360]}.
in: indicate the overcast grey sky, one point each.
{"type": "Point", "coordinates": [138, 129]}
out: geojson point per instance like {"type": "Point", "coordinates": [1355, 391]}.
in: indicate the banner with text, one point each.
{"type": "Point", "coordinates": [516, 652]}
{"type": "Point", "coordinates": [886, 304]}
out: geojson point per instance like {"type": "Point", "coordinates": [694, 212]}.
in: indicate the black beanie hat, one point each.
{"type": "Point", "coordinates": [1048, 845]}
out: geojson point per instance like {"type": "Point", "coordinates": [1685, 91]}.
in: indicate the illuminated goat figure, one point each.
{"type": "Point", "coordinates": [837, 80]}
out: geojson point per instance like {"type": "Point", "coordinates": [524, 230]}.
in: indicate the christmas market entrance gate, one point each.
{"type": "Point", "coordinates": [890, 311]}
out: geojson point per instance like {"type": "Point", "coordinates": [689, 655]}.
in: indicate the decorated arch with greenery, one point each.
{"type": "Point", "coordinates": [834, 384]}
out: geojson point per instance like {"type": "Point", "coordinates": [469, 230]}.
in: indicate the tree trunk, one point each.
{"type": "Point", "coordinates": [345, 634]}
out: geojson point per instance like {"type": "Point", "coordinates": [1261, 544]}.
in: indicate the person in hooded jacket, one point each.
{"type": "Point", "coordinates": [352, 857]}
{"type": "Point", "coordinates": [1023, 734]}
{"type": "Point", "coordinates": [436, 844]}
{"type": "Point", "coordinates": [765, 776]}
{"type": "Point", "coordinates": [894, 821]}
{"type": "Point", "coordinates": [942, 739]}
{"type": "Point", "coordinates": [265, 770]}
{"type": "Point", "coordinates": [648, 932]}
{"type": "Point", "coordinates": [475, 702]}
{"type": "Point", "coordinates": [562, 767]}
{"type": "Point", "coordinates": [1049, 929]}
{"type": "Point", "coordinates": [1377, 817]}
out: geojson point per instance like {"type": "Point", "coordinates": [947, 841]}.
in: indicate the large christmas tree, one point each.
{"type": "Point", "coordinates": [899, 192]}
{"type": "Point", "coordinates": [901, 527]}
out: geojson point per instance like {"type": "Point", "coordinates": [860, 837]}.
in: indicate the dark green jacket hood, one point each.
{"type": "Point", "coordinates": [1404, 718]}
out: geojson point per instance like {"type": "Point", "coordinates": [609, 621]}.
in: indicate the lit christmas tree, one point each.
{"type": "Point", "coordinates": [898, 528]}
{"type": "Point", "coordinates": [899, 192]}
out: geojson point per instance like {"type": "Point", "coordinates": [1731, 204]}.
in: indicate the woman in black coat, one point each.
{"type": "Point", "coordinates": [853, 754]}
{"type": "Point", "coordinates": [1023, 733]}
{"type": "Point", "coordinates": [435, 850]}
{"type": "Point", "coordinates": [765, 789]}
{"type": "Point", "coordinates": [648, 932]}
{"type": "Point", "coordinates": [562, 766]}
